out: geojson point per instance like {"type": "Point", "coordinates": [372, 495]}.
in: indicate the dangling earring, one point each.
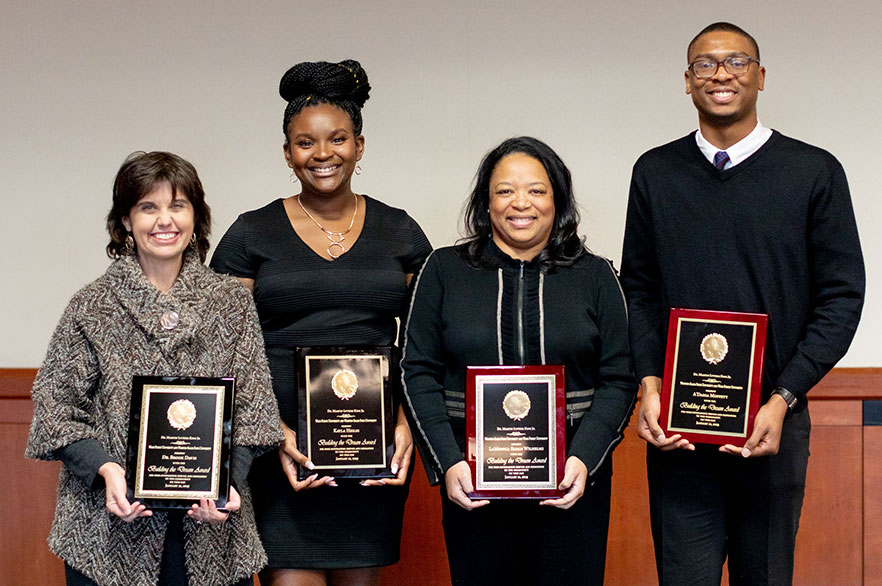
{"type": "Point", "coordinates": [292, 177]}
{"type": "Point", "coordinates": [193, 241]}
{"type": "Point", "coordinates": [357, 169]}
{"type": "Point", "coordinates": [129, 246]}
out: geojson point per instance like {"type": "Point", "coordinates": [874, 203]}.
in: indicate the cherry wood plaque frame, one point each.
{"type": "Point", "coordinates": [553, 416]}
{"type": "Point", "coordinates": [703, 406]}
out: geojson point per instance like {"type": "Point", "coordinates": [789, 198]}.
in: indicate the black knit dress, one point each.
{"type": "Point", "coordinates": [306, 300]}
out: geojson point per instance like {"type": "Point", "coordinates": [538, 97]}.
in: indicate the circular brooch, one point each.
{"type": "Point", "coordinates": [170, 319]}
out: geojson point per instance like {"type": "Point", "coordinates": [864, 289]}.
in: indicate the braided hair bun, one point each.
{"type": "Point", "coordinates": [343, 84]}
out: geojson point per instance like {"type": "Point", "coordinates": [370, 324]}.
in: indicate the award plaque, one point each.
{"type": "Point", "coordinates": [515, 428]}
{"type": "Point", "coordinates": [346, 424]}
{"type": "Point", "coordinates": [180, 433]}
{"type": "Point", "coordinates": [713, 375]}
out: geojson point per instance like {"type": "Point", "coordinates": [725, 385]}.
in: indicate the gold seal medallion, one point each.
{"type": "Point", "coordinates": [181, 414]}
{"type": "Point", "coordinates": [714, 348]}
{"type": "Point", "coordinates": [344, 383]}
{"type": "Point", "coordinates": [516, 404]}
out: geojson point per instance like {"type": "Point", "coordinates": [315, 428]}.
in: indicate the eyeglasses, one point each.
{"type": "Point", "coordinates": [707, 68]}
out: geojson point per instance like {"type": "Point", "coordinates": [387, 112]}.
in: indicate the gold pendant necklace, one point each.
{"type": "Point", "coordinates": [336, 238]}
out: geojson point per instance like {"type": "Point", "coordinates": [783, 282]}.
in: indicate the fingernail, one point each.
{"type": "Point", "coordinates": [745, 452]}
{"type": "Point", "coordinates": [309, 465]}
{"type": "Point", "coordinates": [660, 438]}
{"type": "Point", "coordinates": [394, 467]}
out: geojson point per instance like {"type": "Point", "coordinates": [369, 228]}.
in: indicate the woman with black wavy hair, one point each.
{"type": "Point", "coordinates": [521, 289]}
{"type": "Point", "coordinates": [328, 267]}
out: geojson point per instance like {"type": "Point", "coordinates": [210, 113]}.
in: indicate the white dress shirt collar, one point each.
{"type": "Point", "coordinates": [739, 151]}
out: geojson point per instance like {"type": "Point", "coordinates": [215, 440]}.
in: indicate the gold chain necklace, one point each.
{"type": "Point", "coordinates": [336, 238]}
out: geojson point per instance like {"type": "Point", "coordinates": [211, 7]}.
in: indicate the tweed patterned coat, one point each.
{"type": "Point", "coordinates": [109, 332]}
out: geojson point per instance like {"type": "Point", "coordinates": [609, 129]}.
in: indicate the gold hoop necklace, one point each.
{"type": "Point", "coordinates": [336, 238]}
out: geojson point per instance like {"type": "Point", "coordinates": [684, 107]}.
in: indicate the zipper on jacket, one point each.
{"type": "Point", "coordinates": [521, 313]}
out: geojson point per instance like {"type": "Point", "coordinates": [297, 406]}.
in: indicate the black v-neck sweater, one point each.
{"type": "Point", "coordinates": [775, 234]}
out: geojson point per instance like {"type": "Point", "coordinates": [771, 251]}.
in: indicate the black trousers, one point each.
{"type": "Point", "coordinates": [515, 543]}
{"type": "Point", "coordinates": [705, 505]}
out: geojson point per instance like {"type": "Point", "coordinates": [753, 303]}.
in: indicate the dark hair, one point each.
{"type": "Point", "coordinates": [343, 84]}
{"type": "Point", "coordinates": [726, 27]}
{"type": "Point", "coordinates": [564, 244]}
{"type": "Point", "coordinates": [138, 176]}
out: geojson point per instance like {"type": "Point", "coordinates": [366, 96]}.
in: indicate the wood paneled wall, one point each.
{"type": "Point", "coordinates": [840, 537]}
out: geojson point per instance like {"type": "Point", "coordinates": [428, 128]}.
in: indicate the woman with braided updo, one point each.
{"type": "Point", "coordinates": [327, 267]}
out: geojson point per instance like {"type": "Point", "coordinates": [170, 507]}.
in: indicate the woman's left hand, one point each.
{"type": "Point", "coordinates": [207, 512]}
{"type": "Point", "coordinates": [574, 481]}
{"type": "Point", "coordinates": [402, 456]}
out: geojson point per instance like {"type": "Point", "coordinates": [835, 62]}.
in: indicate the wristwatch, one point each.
{"type": "Point", "coordinates": [788, 397]}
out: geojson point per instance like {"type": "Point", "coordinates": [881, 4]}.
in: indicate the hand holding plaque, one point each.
{"type": "Point", "coordinates": [180, 435]}
{"type": "Point", "coordinates": [713, 375]}
{"type": "Point", "coordinates": [515, 428]}
{"type": "Point", "coordinates": [346, 425]}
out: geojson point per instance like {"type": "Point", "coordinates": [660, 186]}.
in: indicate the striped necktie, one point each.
{"type": "Point", "coordinates": [720, 160]}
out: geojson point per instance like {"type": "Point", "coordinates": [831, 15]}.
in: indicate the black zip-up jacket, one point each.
{"type": "Point", "coordinates": [516, 314]}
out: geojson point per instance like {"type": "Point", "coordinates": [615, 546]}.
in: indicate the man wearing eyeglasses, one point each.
{"type": "Point", "coordinates": [737, 217]}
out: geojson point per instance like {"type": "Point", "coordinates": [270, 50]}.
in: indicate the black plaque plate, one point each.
{"type": "Point", "coordinates": [180, 434]}
{"type": "Point", "coordinates": [346, 426]}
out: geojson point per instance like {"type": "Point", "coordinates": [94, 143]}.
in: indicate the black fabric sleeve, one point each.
{"type": "Point", "coordinates": [83, 458]}
{"type": "Point", "coordinates": [421, 248]}
{"type": "Point", "coordinates": [602, 427]}
{"type": "Point", "coordinates": [423, 374]}
{"type": "Point", "coordinates": [241, 458]}
{"type": "Point", "coordinates": [641, 280]}
{"type": "Point", "coordinates": [231, 256]}
{"type": "Point", "coordinates": [837, 287]}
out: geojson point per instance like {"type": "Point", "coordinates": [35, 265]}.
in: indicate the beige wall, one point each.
{"type": "Point", "coordinates": [85, 83]}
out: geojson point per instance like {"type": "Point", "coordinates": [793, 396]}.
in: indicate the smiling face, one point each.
{"type": "Point", "coordinates": [161, 223]}
{"type": "Point", "coordinates": [323, 150]}
{"type": "Point", "coordinates": [521, 206]}
{"type": "Point", "coordinates": [725, 101]}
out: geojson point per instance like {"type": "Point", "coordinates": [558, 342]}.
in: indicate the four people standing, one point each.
{"type": "Point", "coordinates": [733, 217]}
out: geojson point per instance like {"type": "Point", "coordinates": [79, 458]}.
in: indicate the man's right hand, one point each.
{"type": "Point", "coordinates": [647, 418]}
